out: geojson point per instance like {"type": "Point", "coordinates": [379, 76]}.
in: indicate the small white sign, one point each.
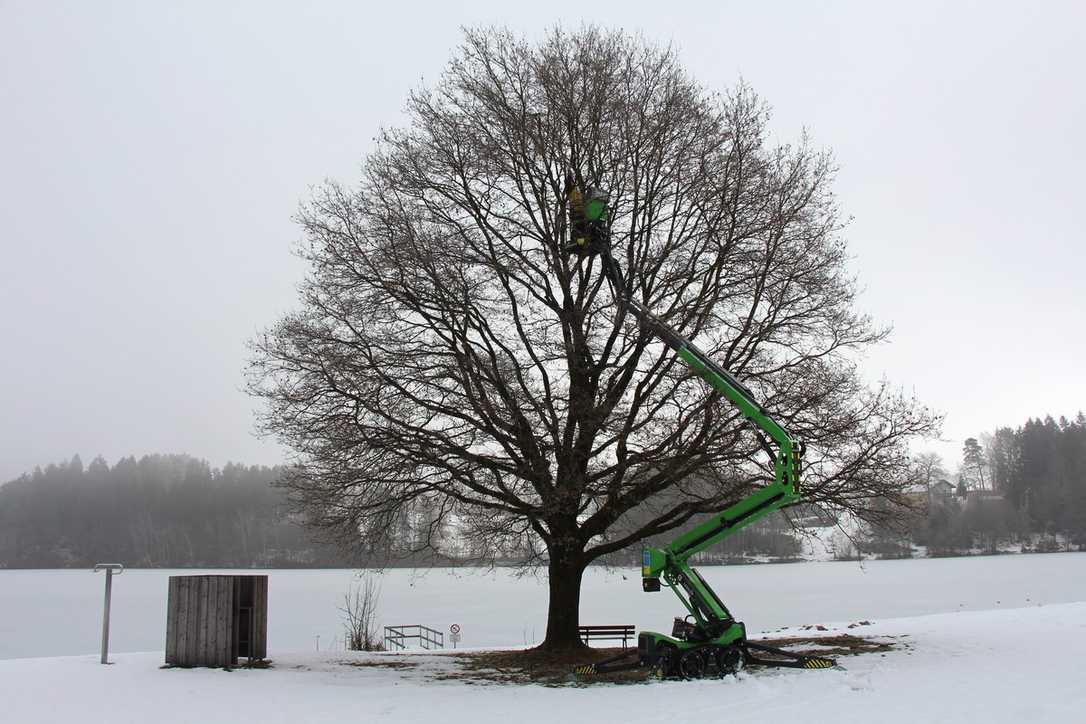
{"type": "Point", "coordinates": [455, 628]}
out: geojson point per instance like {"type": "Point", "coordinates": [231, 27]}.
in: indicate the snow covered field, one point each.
{"type": "Point", "coordinates": [996, 667]}
{"type": "Point", "coordinates": [995, 640]}
{"type": "Point", "coordinates": [55, 613]}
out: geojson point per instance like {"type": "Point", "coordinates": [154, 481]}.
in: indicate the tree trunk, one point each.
{"type": "Point", "coordinates": [564, 578]}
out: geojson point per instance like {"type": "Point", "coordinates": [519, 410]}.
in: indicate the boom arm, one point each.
{"type": "Point", "coordinates": [671, 561]}
{"type": "Point", "coordinates": [714, 641]}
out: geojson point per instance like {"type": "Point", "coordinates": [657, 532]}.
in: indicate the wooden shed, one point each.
{"type": "Point", "coordinates": [214, 620]}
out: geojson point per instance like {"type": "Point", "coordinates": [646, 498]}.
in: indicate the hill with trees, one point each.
{"type": "Point", "coordinates": [1014, 489]}
{"type": "Point", "coordinates": [157, 511]}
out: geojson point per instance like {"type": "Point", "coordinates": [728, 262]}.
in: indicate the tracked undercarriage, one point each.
{"type": "Point", "coordinates": [682, 656]}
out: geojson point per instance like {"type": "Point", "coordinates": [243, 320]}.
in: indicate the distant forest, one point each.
{"type": "Point", "coordinates": [1016, 489]}
{"type": "Point", "coordinates": [159, 511]}
{"type": "Point", "coordinates": [176, 511]}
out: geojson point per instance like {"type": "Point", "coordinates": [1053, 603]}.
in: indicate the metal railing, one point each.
{"type": "Point", "coordinates": [396, 637]}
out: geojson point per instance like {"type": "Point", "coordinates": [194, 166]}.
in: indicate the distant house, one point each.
{"type": "Point", "coordinates": [941, 491]}
{"type": "Point", "coordinates": [937, 493]}
{"type": "Point", "coordinates": [980, 497]}
{"type": "Point", "coordinates": [916, 494]}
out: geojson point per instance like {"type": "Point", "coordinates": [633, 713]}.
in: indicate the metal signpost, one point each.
{"type": "Point", "coordinates": [108, 568]}
{"type": "Point", "coordinates": [455, 631]}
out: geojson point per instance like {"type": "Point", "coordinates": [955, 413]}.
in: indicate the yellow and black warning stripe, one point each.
{"type": "Point", "coordinates": [816, 662]}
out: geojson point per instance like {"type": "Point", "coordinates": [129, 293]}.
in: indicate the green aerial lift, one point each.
{"type": "Point", "coordinates": [708, 641]}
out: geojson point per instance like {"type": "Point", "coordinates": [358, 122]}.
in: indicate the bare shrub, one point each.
{"type": "Point", "coordinates": [360, 614]}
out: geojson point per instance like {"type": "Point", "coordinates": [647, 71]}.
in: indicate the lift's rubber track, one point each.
{"type": "Point", "coordinates": [707, 661]}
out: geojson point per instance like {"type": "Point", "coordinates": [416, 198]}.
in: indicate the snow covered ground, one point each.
{"type": "Point", "coordinates": [994, 640]}
{"type": "Point", "coordinates": [997, 667]}
{"type": "Point", "coordinates": [57, 613]}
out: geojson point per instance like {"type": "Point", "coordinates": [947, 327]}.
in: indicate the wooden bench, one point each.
{"type": "Point", "coordinates": [606, 632]}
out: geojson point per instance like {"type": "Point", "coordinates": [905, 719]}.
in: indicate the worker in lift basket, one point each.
{"type": "Point", "coordinates": [588, 220]}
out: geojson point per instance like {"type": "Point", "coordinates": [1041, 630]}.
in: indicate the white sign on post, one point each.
{"type": "Point", "coordinates": [455, 630]}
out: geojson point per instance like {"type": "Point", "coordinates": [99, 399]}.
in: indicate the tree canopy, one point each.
{"type": "Point", "coordinates": [446, 349]}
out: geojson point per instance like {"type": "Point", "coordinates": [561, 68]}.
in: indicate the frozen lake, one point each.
{"type": "Point", "coordinates": [58, 612]}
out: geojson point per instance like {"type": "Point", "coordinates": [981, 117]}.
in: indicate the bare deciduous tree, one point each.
{"type": "Point", "coordinates": [447, 350]}
{"type": "Point", "coordinates": [929, 470]}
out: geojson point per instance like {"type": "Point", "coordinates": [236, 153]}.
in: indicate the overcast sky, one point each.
{"type": "Point", "coordinates": [152, 154]}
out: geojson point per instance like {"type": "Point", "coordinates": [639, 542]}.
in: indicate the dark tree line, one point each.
{"type": "Point", "coordinates": [157, 511]}
{"type": "Point", "coordinates": [1040, 469]}
{"type": "Point", "coordinates": [1019, 487]}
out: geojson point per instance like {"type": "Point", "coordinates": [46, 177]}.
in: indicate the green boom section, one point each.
{"type": "Point", "coordinates": [670, 563]}
{"type": "Point", "coordinates": [736, 393]}
{"type": "Point", "coordinates": [747, 511]}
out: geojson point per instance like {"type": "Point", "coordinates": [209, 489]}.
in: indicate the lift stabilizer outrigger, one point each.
{"type": "Point", "coordinates": [708, 641]}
